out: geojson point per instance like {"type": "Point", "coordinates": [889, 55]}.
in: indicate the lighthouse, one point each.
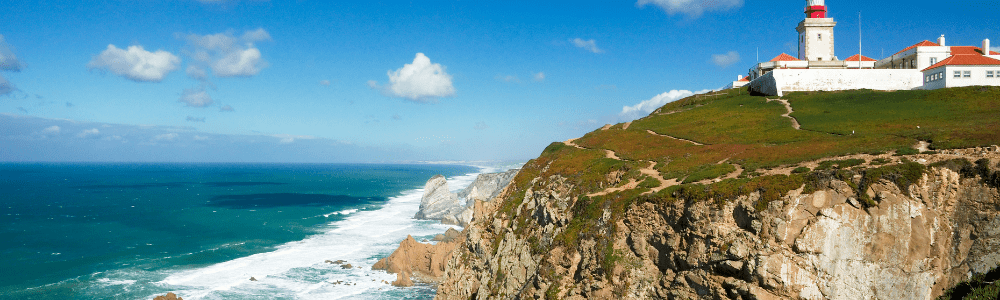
{"type": "Point", "coordinates": [816, 33]}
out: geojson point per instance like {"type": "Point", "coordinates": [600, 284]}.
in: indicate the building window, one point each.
{"type": "Point", "coordinates": [958, 74]}
{"type": "Point", "coordinates": [820, 36]}
{"type": "Point", "coordinates": [989, 74]}
{"type": "Point", "coordinates": [933, 60]}
{"type": "Point", "coordinates": [968, 74]}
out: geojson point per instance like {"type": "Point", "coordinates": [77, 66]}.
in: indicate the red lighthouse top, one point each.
{"type": "Point", "coordinates": [815, 9]}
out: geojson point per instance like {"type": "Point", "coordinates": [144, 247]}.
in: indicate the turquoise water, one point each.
{"type": "Point", "coordinates": [130, 231]}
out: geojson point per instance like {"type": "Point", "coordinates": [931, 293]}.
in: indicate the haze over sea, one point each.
{"type": "Point", "coordinates": [133, 231]}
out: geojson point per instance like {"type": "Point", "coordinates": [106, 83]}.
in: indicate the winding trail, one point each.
{"type": "Point", "coordinates": [652, 172]}
{"type": "Point", "coordinates": [676, 138]}
{"type": "Point", "coordinates": [572, 143]}
{"type": "Point", "coordinates": [788, 106]}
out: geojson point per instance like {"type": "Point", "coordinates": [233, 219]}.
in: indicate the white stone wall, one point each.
{"type": "Point", "coordinates": [977, 76]}
{"type": "Point", "coordinates": [779, 81]}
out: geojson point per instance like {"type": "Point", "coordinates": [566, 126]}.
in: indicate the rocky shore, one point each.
{"type": "Point", "coordinates": [426, 262]}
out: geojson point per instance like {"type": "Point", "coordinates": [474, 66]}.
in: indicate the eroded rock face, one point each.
{"type": "Point", "coordinates": [820, 245]}
{"type": "Point", "coordinates": [424, 262]}
{"type": "Point", "coordinates": [487, 186]}
{"type": "Point", "coordinates": [438, 202]}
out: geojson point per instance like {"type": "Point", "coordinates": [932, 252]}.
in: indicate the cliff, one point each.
{"type": "Point", "coordinates": [843, 195]}
{"type": "Point", "coordinates": [425, 262]}
{"type": "Point", "coordinates": [438, 203]}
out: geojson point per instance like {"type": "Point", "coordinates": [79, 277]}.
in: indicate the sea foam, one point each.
{"type": "Point", "coordinates": [297, 270]}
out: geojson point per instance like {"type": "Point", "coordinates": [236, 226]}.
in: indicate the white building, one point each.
{"type": "Point", "coordinates": [925, 65]}
{"type": "Point", "coordinates": [962, 70]}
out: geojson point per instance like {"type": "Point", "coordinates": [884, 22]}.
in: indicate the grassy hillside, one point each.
{"type": "Point", "coordinates": [719, 147]}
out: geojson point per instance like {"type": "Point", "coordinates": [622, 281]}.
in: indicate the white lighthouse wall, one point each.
{"type": "Point", "coordinates": [780, 81]}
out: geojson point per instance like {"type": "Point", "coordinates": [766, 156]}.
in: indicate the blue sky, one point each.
{"type": "Point", "coordinates": [388, 81]}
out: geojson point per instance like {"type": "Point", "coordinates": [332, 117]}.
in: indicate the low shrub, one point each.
{"type": "Point", "coordinates": [839, 164]}
{"type": "Point", "coordinates": [709, 172]}
{"type": "Point", "coordinates": [906, 151]}
{"type": "Point", "coordinates": [801, 170]}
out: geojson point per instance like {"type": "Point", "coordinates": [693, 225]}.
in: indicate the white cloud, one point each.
{"type": "Point", "coordinates": [227, 55]}
{"type": "Point", "coordinates": [165, 137]}
{"type": "Point", "coordinates": [197, 73]}
{"type": "Point", "coordinates": [51, 130]}
{"type": "Point", "coordinates": [6, 87]}
{"type": "Point", "coordinates": [226, 108]}
{"type": "Point", "coordinates": [692, 8]}
{"type": "Point", "coordinates": [725, 60]}
{"type": "Point", "coordinates": [196, 97]}
{"type": "Point", "coordinates": [589, 45]}
{"type": "Point", "coordinates": [995, 49]}
{"type": "Point", "coordinates": [420, 81]}
{"type": "Point", "coordinates": [540, 76]}
{"type": "Point", "coordinates": [257, 35]}
{"type": "Point", "coordinates": [324, 82]}
{"type": "Point", "coordinates": [648, 106]}
{"type": "Point", "coordinates": [195, 119]}
{"type": "Point", "coordinates": [135, 63]}
{"type": "Point", "coordinates": [287, 138]}
{"type": "Point", "coordinates": [200, 138]}
{"type": "Point", "coordinates": [8, 61]}
{"type": "Point", "coordinates": [88, 133]}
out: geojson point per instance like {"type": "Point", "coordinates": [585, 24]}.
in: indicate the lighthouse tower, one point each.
{"type": "Point", "coordinates": [816, 33]}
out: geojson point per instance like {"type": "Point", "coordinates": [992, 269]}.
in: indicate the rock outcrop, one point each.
{"type": "Point", "coordinates": [168, 296]}
{"type": "Point", "coordinates": [487, 186]}
{"type": "Point", "coordinates": [438, 201]}
{"type": "Point", "coordinates": [424, 262]}
{"type": "Point", "coordinates": [914, 243]}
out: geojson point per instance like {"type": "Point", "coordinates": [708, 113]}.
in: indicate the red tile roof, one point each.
{"type": "Point", "coordinates": [966, 60]}
{"type": "Point", "coordinates": [745, 78]}
{"type": "Point", "coordinates": [784, 57]}
{"type": "Point", "coordinates": [863, 58]}
{"type": "Point", "coordinates": [925, 43]}
{"type": "Point", "coordinates": [969, 50]}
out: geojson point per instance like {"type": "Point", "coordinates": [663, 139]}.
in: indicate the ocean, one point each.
{"type": "Point", "coordinates": [134, 231]}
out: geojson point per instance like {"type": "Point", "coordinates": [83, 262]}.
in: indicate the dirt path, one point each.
{"type": "Point", "coordinates": [625, 127]}
{"type": "Point", "coordinates": [676, 138]}
{"type": "Point", "coordinates": [652, 172]}
{"type": "Point", "coordinates": [572, 143]}
{"type": "Point", "coordinates": [611, 154]}
{"type": "Point", "coordinates": [788, 106]}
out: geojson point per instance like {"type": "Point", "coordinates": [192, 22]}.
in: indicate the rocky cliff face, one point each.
{"type": "Point", "coordinates": [487, 186]}
{"type": "Point", "coordinates": [438, 201]}
{"type": "Point", "coordinates": [425, 262]}
{"type": "Point", "coordinates": [821, 244]}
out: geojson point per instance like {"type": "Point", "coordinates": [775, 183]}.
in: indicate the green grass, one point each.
{"type": "Point", "coordinates": [801, 170]}
{"type": "Point", "coordinates": [749, 131]}
{"type": "Point", "coordinates": [950, 118]}
{"type": "Point", "coordinates": [709, 172]}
